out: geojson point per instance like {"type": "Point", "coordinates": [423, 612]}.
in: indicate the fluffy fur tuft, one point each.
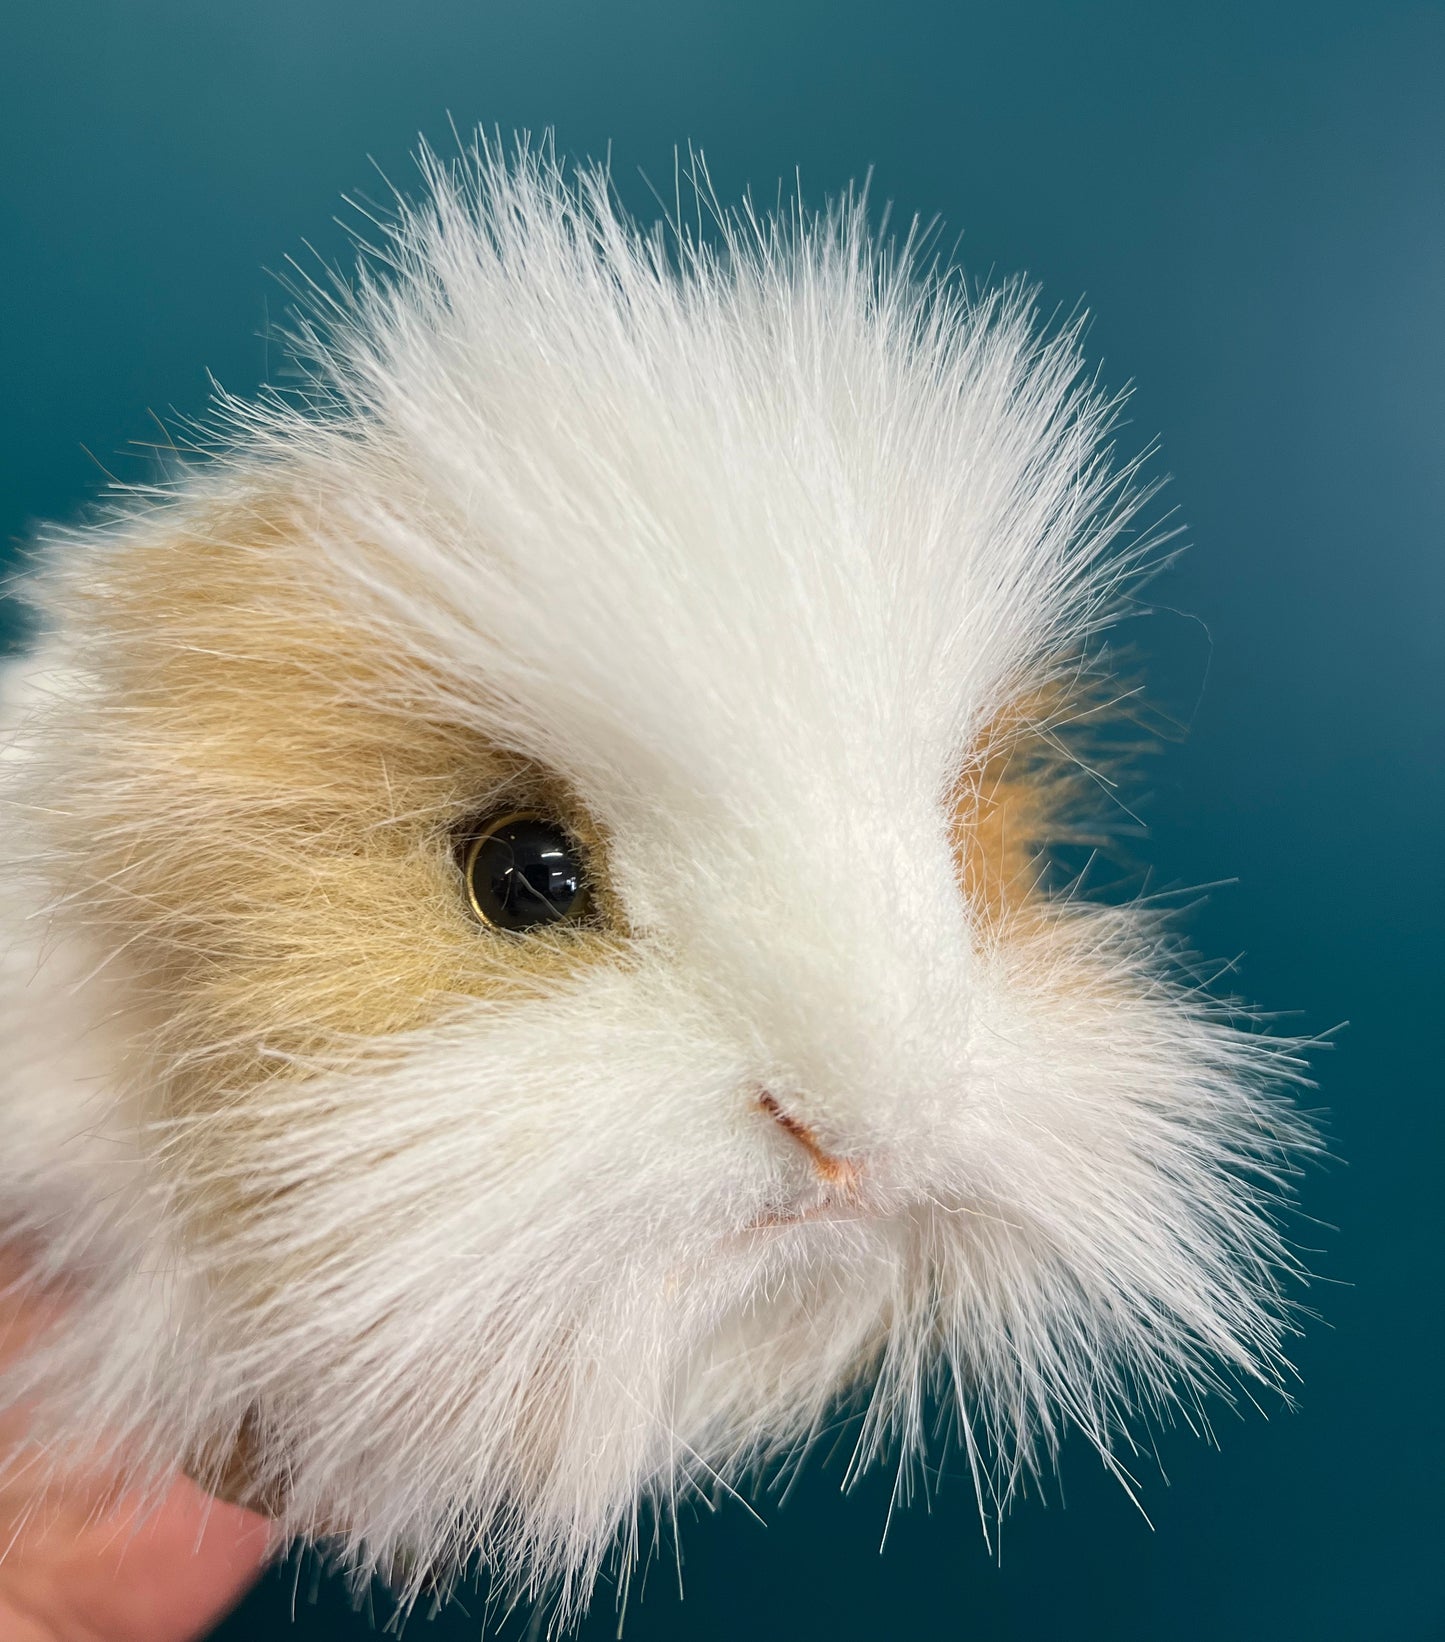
{"type": "Point", "coordinates": [763, 559]}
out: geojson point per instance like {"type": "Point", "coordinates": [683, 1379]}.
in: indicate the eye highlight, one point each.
{"type": "Point", "coordinates": [524, 871]}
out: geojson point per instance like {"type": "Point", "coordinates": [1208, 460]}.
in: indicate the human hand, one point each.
{"type": "Point", "coordinates": [89, 1562]}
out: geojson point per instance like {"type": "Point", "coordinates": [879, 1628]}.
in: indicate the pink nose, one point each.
{"type": "Point", "coordinates": [841, 1173]}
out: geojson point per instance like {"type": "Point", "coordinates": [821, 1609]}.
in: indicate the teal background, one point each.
{"type": "Point", "coordinates": [1249, 198]}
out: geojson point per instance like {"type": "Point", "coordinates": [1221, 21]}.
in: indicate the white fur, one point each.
{"type": "Point", "coordinates": [747, 544]}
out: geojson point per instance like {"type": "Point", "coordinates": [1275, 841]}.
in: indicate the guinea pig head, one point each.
{"type": "Point", "coordinates": [534, 966]}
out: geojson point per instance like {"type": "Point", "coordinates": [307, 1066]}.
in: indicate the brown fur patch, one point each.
{"type": "Point", "coordinates": [270, 836]}
{"type": "Point", "coordinates": [1030, 782]}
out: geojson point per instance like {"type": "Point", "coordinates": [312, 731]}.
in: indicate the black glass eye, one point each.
{"type": "Point", "coordinates": [525, 872]}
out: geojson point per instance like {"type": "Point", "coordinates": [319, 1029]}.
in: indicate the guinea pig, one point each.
{"type": "Point", "coordinates": [536, 961]}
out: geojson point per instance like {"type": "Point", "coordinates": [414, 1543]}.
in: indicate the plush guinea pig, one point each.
{"type": "Point", "coordinates": [530, 966]}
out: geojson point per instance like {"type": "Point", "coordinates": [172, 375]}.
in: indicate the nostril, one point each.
{"type": "Point", "coordinates": [842, 1172]}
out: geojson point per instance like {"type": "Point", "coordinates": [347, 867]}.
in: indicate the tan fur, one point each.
{"type": "Point", "coordinates": [307, 884]}
{"type": "Point", "coordinates": [1025, 787]}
